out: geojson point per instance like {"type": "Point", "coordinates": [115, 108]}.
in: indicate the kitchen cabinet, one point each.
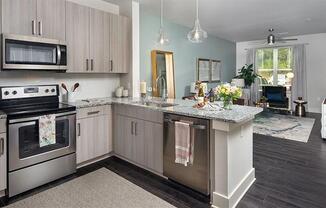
{"type": "Point", "coordinates": [78, 35]}
{"type": "Point", "coordinates": [139, 137]}
{"type": "Point", "coordinates": [94, 133]}
{"type": "Point", "coordinates": [3, 156]}
{"type": "Point", "coordinates": [51, 17]}
{"type": "Point", "coordinates": [120, 44]}
{"type": "Point", "coordinates": [43, 18]}
{"type": "Point", "coordinates": [124, 45]}
{"type": "Point", "coordinates": [98, 42]}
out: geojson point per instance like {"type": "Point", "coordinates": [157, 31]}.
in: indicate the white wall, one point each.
{"type": "Point", "coordinates": [91, 85]}
{"type": "Point", "coordinates": [316, 66]}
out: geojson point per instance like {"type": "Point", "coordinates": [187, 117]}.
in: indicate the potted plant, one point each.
{"type": "Point", "coordinates": [248, 74]}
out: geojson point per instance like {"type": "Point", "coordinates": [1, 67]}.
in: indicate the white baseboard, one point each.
{"type": "Point", "coordinates": [231, 201]}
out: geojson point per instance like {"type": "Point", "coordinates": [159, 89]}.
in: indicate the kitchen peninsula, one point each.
{"type": "Point", "coordinates": [231, 140]}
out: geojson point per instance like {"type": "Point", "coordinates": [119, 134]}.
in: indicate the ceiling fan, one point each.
{"type": "Point", "coordinates": [272, 38]}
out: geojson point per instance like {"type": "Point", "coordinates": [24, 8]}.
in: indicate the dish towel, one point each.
{"type": "Point", "coordinates": [184, 143]}
{"type": "Point", "coordinates": [47, 130]}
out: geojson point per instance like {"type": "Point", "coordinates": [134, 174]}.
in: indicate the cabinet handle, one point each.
{"type": "Point", "coordinates": [40, 28]}
{"type": "Point", "coordinates": [93, 112]}
{"type": "Point", "coordinates": [78, 129]}
{"type": "Point", "coordinates": [86, 64]}
{"type": "Point", "coordinates": [92, 64]}
{"type": "Point", "coordinates": [2, 146]}
{"type": "Point", "coordinates": [111, 67]}
{"type": "Point", "coordinates": [132, 128]}
{"type": "Point", "coordinates": [33, 27]}
{"type": "Point", "coordinates": [135, 128]}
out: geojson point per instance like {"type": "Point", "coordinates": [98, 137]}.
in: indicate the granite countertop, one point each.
{"type": "Point", "coordinates": [182, 107]}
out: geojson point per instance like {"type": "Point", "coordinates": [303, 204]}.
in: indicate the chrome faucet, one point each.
{"type": "Point", "coordinates": [162, 89]}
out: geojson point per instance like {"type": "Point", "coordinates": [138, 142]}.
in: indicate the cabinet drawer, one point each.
{"type": "Point", "coordinates": [93, 111]}
{"type": "Point", "coordinates": [139, 112]}
{"type": "Point", "coordinates": [2, 125]}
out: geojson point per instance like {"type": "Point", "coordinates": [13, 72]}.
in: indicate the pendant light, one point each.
{"type": "Point", "coordinates": [197, 35]}
{"type": "Point", "coordinates": [162, 38]}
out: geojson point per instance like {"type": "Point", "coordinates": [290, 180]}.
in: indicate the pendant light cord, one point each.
{"type": "Point", "coordinates": [197, 10]}
{"type": "Point", "coordinates": [161, 13]}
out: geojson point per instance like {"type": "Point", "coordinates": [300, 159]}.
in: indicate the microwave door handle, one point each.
{"type": "Point", "coordinates": [58, 54]}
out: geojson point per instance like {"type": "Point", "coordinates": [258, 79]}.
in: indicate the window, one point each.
{"type": "Point", "coordinates": [274, 65]}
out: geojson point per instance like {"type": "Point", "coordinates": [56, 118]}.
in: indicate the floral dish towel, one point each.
{"type": "Point", "coordinates": [47, 130]}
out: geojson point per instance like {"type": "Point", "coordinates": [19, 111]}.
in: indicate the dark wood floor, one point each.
{"type": "Point", "coordinates": [289, 174]}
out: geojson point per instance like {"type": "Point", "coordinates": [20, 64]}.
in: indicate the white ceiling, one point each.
{"type": "Point", "coordinates": [245, 20]}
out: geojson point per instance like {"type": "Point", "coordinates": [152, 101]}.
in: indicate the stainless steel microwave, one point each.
{"type": "Point", "coordinates": [33, 53]}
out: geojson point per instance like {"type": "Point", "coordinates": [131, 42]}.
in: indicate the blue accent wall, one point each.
{"type": "Point", "coordinates": [185, 53]}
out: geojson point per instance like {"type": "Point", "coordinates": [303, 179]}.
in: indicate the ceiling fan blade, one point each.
{"type": "Point", "coordinates": [287, 39]}
{"type": "Point", "coordinates": [258, 42]}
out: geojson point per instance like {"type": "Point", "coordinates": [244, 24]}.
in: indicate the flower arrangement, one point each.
{"type": "Point", "coordinates": [228, 93]}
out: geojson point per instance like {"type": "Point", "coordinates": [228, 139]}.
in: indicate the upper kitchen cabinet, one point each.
{"type": "Point", "coordinates": [78, 35]}
{"type": "Point", "coordinates": [19, 17]}
{"type": "Point", "coordinates": [43, 18]}
{"type": "Point", "coordinates": [124, 44]}
{"type": "Point", "coordinates": [98, 41]}
{"type": "Point", "coordinates": [120, 44]}
{"type": "Point", "coordinates": [51, 17]}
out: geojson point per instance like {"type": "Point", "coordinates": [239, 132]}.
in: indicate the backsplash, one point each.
{"type": "Point", "coordinates": [91, 85]}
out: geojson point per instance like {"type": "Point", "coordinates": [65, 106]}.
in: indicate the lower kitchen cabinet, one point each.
{"type": "Point", "coordinates": [3, 156]}
{"type": "Point", "coordinates": [94, 137]}
{"type": "Point", "coordinates": [139, 141]}
{"type": "Point", "coordinates": [3, 162]}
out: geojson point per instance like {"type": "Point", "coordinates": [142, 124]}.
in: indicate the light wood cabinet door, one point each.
{"type": "Point", "coordinates": [101, 137]}
{"type": "Point", "coordinates": [138, 142]}
{"type": "Point", "coordinates": [97, 38]}
{"type": "Point", "coordinates": [51, 17]}
{"type": "Point", "coordinates": [114, 43]}
{"type": "Point", "coordinates": [84, 142]}
{"type": "Point", "coordinates": [153, 146]}
{"type": "Point", "coordinates": [124, 137]}
{"type": "Point", "coordinates": [124, 44]}
{"type": "Point", "coordinates": [93, 137]}
{"type": "Point", "coordinates": [19, 17]}
{"type": "Point", "coordinates": [77, 37]}
{"type": "Point", "coordinates": [3, 162]}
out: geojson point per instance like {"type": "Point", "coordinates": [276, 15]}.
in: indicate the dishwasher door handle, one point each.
{"type": "Point", "coordinates": [194, 126]}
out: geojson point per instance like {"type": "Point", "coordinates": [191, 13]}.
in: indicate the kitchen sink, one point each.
{"type": "Point", "coordinates": [156, 104]}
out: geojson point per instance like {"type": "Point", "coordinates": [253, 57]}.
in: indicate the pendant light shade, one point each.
{"type": "Point", "coordinates": [197, 34]}
{"type": "Point", "coordinates": [162, 37]}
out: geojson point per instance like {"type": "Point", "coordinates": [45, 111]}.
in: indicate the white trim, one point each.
{"type": "Point", "coordinates": [99, 4]}
{"type": "Point", "coordinates": [135, 50]}
{"type": "Point", "coordinates": [231, 201]}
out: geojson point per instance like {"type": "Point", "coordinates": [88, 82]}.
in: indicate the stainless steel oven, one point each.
{"type": "Point", "coordinates": [24, 145]}
{"type": "Point", "coordinates": [30, 163]}
{"type": "Point", "coordinates": [33, 53]}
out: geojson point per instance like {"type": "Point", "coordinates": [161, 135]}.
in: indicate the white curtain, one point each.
{"type": "Point", "coordinates": [299, 82]}
{"type": "Point", "coordinates": [254, 89]}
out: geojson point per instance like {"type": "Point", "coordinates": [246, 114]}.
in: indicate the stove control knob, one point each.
{"type": "Point", "coordinates": [14, 92]}
{"type": "Point", "coordinates": [52, 90]}
{"type": "Point", "coordinates": [6, 93]}
{"type": "Point", "coordinates": [47, 91]}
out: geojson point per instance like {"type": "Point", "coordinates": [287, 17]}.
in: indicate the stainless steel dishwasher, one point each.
{"type": "Point", "coordinates": [196, 175]}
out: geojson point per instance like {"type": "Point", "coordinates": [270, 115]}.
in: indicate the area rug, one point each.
{"type": "Point", "coordinates": [283, 126]}
{"type": "Point", "coordinates": [99, 189]}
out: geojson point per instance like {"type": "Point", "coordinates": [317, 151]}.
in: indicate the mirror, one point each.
{"type": "Point", "coordinates": [163, 74]}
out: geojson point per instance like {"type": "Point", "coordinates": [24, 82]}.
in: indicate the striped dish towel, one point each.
{"type": "Point", "coordinates": [183, 143]}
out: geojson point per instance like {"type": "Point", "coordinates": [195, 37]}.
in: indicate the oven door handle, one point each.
{"type": "Point", "coordinates": [19, 120]}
